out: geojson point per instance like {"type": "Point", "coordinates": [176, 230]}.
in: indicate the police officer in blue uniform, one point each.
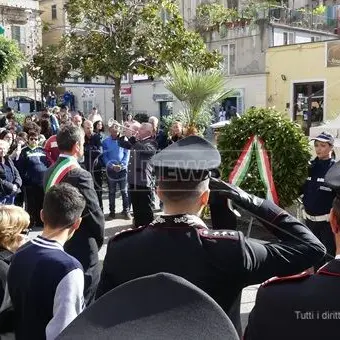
{"type": "Point", "coordinates": [220, 262]}
{"type": "Point", "coordinates": [317, 197]}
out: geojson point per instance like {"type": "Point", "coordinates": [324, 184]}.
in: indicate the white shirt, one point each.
{"type": "Point", "coordinates": [221, 116]}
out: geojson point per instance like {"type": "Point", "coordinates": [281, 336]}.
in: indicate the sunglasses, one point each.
{"type": "Point", "coordinates": [33, 138]}
{"type": "Point", "coordinates": [25, 232]}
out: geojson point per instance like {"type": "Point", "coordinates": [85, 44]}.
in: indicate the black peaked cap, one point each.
{"type": "Point", "coordinates": [190, 158]}
{"type": "Point", "coordinates": [161, 306]}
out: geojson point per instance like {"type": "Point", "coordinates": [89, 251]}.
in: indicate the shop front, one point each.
{"type": "Point", "coordinates": [306, 84]}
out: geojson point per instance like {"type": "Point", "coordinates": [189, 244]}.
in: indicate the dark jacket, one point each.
{"type": "Point", "coordinates": [5, 259]}
{"type": "Point", "coordinates": [301, 307]}
{"type": "Point", "coordinates": [220, 262]}
{"type": "Point", "coordinates": [92, 152]}
{"type": "Point", "coordinates": [88, 239]}
{"type": "Point", "coordinates": [6, 183]}
{"type": "Point", "coordinates": [161, 139]}
{"type": "Point", "coordinates": [32, 165]}
{"type": "Point", "coordinates": [6, 317]}
{"type": "Point", "coordinates": [140, 171]}
{"type": "Point", "coordinates": [318, 198]}
{"type": "Point", "coordinates": [174, 139]}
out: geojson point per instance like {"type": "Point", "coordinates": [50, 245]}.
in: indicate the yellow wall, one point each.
{"type": "Point", "coordinates": [301, 63]}
{"type": "Point", "coordinates": [57, 26]}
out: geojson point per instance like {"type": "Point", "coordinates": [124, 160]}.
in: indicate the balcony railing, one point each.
{"type": "Point", "coordinates": [302, 18]}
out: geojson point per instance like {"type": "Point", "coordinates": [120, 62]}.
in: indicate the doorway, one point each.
{"type": "Point", "coordinates": [308, 109]}
{"type": "Point", "coordinates": [165, 109]}
{"type": "Point", "coordinates": [230, 107]}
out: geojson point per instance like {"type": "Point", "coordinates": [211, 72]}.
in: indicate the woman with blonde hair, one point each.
{"type": "Point", "coordinates": [176, 132]}
{"type": "Point", "coordinates": [14, 222]}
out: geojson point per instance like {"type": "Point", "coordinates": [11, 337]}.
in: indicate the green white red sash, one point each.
{"type": "Point", "coordinates": [60, 171]}
{"type": "Point", "coordinates": [242, 166]}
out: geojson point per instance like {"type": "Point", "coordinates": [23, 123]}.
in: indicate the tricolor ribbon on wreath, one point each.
{"type": "Point", "coordinates": [241, 168]}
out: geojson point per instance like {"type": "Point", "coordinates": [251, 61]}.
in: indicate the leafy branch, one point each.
{"type": "Point", "coordinates": [198, 91]}
{"type": "Point", "coordinates": [11, 59]}
{"type": "Point", "coordinates": [135, 36]}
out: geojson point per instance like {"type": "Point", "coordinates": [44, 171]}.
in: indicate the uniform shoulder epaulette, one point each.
{"type": "Point", "coordinates": [279, 279]}
{"type": "Point", "coordinates": [128, 231]}
{"type": "Point", "coordinates": [226, 234]}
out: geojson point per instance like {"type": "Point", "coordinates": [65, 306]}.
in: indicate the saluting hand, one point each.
{"type": "Point", "coordinates": [236, 194]}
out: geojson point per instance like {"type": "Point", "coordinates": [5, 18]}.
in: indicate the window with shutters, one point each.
{"type": "Point", "coordinates": [125, 79]}
{"type": "Point", "coordinates": [16, 33]}
{"type": "Point", "coordinates": [229, 57]}
{"type": "Point", "coordinates": [22, 80]}
{"type": "Point", "coordinates": [54, 12]}
{"type": "Point", "coordinates": [288, 38]}
{"type": "Point", "coordinates": [87, 106]}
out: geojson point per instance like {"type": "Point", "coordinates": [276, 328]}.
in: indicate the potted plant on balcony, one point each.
{"type": "Point", "coordinates": [198, 90]}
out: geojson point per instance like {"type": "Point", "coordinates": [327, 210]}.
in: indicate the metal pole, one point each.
{"type": "Point", "coordinates": [3, 94]}
{"type": "Point", "coordinates": [32, 56]}
{"type": "Point", "coordinates": [3, 85]}
{"type": "Point", "coordinates": [35, 95]}
{"type": "Point", "coordinates": [30, 19]}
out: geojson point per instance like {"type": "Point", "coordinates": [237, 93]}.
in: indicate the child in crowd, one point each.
{"type": "Point", "coordinates": [45, 285]}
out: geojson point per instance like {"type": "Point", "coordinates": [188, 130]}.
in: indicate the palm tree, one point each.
{"type": "Point", "coordinates": [198, 91]}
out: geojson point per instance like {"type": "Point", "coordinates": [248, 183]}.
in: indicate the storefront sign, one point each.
{"type": "Point", "coordinates": [140, 77]}
{"type": "Point", "coordinates": [88, 92]}
{"type": "Point", "coordinates": [125, 99]}
{"type": "Point", "coordinates": [125, 94]}
{"type": "Point", "coordinates": [125, 91]}
{"type": "Point", "coordinates": [333, 53]}
{"type": "Point", "coordinates": [163, 97]}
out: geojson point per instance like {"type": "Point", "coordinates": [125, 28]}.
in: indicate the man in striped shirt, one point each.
{"type": "Point", "coordinates": [45, 284]}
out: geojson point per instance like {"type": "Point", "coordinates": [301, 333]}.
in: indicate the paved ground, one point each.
{"type": "Point", "coordinates": [111, 227]}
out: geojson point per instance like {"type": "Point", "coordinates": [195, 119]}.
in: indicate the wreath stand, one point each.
{"type": "Point", "coordinates": [237, 176]}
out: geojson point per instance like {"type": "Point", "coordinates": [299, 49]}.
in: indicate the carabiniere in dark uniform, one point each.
{"type": "Point", "coordinates": [220, 262]}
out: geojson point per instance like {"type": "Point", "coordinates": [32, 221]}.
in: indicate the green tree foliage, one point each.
{"type": "Point", "coordinates": [210, 16]}
{"type": "Point", "coordinates": [11, 59]}
{"type": "Point", "coordinates": [198, 91]}
{"type": "Point", "coordinates": [50, 66]}
{"type": "Point", "coordinates": [287, 147]}
{"type": "Point", "coordinates": [113, 38]}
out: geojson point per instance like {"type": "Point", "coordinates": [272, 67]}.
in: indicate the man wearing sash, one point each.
{"type": "Point", "coordinates": [87, 241]}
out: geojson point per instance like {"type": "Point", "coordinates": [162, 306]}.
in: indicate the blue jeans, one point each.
{"type": "Point", "coordinates": [114, 181]}
{"type": "Point", "coordinates": [8, 200]}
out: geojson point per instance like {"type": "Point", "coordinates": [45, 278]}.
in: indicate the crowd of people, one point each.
{"type": "Point", "coordinates": [48, 281]}
{"type": "Point", "coordinates": [28, 150]}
